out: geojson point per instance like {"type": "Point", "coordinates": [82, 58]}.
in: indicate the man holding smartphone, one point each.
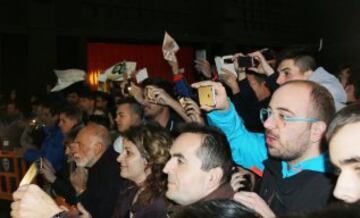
{"type": "Point", "coordinates": [299, 64]}
{"type": "Point", "coordinates": [288, 153]}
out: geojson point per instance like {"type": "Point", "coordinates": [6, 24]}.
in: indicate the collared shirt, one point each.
{"type": "Point", "coordinates": [318, 164]}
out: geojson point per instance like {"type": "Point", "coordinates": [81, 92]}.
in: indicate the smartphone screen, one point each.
{"type": "Point", "coordinates": [228, 61]}
{"type": "Point", "coordinates": [246, 61]}
{"type": "Point", "coordinates": [206, 96]}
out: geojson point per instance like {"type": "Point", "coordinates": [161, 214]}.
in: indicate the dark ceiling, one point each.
{"type": "Point", "coordinates": [39, 35]}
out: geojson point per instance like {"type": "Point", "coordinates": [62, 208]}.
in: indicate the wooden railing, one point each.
{"type": "Point", "coordinates": [12, 169]}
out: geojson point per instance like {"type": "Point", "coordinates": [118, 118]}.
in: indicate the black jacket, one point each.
{"type": "Point", "coordinates": [304, 192]}
{"type": "Point", "coordinates": [103, 185]}
{"type": "Point", "coordinates": [156, 209]}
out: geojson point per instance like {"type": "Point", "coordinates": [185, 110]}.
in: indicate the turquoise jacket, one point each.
{"type": "Point", "coordinates": [249, 149]}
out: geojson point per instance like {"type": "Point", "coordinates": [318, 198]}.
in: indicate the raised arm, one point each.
{"type": "Point", "coordinates": [248, 148]}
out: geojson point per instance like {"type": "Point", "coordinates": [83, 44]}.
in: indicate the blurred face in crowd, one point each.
{"type": "Point", "coordinates": [289, 71]}
{"type": "Point", "coordinates": [100, 103]}
{"type": "Point", "coordinates": [187, 182]}
{"type": "Point", "coordinates": [11, 110]}
{"type": "Point", "coordinates": [36, 109]}
{"type": "Point", "coordinates": [289, 141]}
{"type": "Point", "coordinates": [260, 88]}
{"type": "Point", "coordinates": [66, 123]}
{"type": "Point", "coordinates": [68, 149]}
{"type": "Point", "coordinates": [86, 104]}
{"type": "Point", "coordinates": [72, 98]}
{"type": "Point", "coordinates": [85, 148]}
{"type": "Point", "coordinates": [47, 118]}
{"type": "Point", "coordinates": [133, 165]}
{"type": "Point", "coordinates": [345, 155]}
{"type": "Point", "coordinates": [125, 117]}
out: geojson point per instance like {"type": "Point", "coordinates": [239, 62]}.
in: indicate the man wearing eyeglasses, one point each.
{"type": "Point", "coordinates": [288, 156]}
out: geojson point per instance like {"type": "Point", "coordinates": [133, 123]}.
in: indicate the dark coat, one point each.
{"type": "Point", "coordinates": [103, 184]}
{"type": "Point", "coordinates": [225, 191]}
{"type": "Point", "coordinates": [157, 209]}
{"type": "Point", "coordinates": [304, 192]}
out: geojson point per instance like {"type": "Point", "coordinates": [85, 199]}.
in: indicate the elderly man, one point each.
{"type": "Point", "coordinates": [91, 150]}
{"type": "Point", "coordinates": [200, 166]}
{"type": "Point", "coordinates": [289, 155]}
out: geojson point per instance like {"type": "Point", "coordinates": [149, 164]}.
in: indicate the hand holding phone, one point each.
{"type": "Point", "coordinates": [206, 96]}
{"type": "Point", "coordinates": [218, 90]}
{"type": "Point", "coordinates": [261, 65]}
{"type": "Point", "coordinates": [246, 61]}
{"type": "Point", "coordinates": [200, 54]}
{"type": "Point", "coordinates": [192, 110]}
{"type": "Point", "coordinates": [225, 62]}
{"type": "Point", "coordinates": [39, 163]}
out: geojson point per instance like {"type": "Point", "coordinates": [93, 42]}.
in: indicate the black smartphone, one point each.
{"type": "Point", "coordinates": [228, 61]}
{"type": "Point", "coordinates": [246, 61]}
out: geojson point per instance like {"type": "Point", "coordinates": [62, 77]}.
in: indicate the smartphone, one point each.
{"type": "Point", "coordinates": [228, 61]}
{"type": "Point", "coordinates": [246, 61]}
{"type": "Point", "coordinates": [200, 54]}
{"type": "Point", "coordinates": [206, 96]}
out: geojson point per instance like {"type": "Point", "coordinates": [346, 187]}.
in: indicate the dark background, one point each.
{"type": "Point", "coordinates": [37, 36]}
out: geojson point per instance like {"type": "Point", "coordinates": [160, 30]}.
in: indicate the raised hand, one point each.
{"type": "Point", "coordinates": [204, 67]}
{"type": "Point", "coordinates": [230, 80]}
{"type": "Point", "coordinates": [137, 93]}
{"type": "Point", "coordinates": [157, 95]}
{"type": "Point", "coordinates": [47, 171]}
{"type": "Point", "coordinates": [32, 202]}
{"type": "Point", "coordinates": [78, 179]}
{"type": "Point", "coordinates": [263, 67]}
{"type": "Point", "coordinates": [192, 110]}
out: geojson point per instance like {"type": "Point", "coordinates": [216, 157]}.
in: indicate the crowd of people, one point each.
{"type": "Point", "coordinates": [280, 142]}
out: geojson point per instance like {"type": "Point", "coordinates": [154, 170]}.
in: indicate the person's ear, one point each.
{"type": "Point", "coordinates": [308, 73]}
{"type": "Point", "coordinates": [99, 147]}
{"type": "Point", "coordinates": [215, 176]}
{"type": "Point", "coordinates": [317, 131]}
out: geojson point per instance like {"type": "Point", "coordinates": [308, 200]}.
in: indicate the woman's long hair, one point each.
{"type": "Point", "coordinates": [153, 143]}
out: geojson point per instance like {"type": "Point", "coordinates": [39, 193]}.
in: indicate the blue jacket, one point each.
{"type": "Point", "coordinates": [52, 148]}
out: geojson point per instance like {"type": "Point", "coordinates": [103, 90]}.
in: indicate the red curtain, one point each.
{"type": "Point", "coordinates": [100, 56]}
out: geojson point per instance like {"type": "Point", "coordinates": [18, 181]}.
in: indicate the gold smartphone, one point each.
{"type": "Point", "coordinates": [206, 96]}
